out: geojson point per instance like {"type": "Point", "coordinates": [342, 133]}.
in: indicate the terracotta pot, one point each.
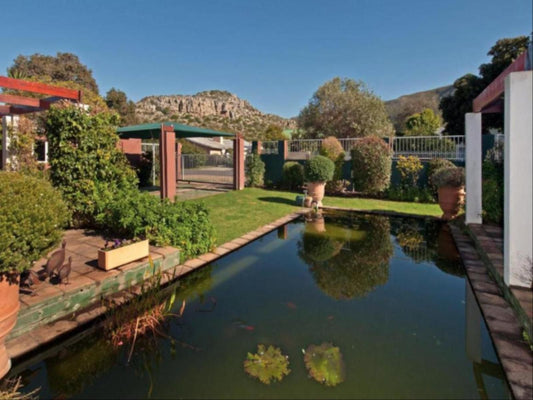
{"type": "Point", "coordinates": [450, 200]}
{"type": "Point", "coordinates": [316, 191]}
{"type": "Point", "coordinates": [9, 308]}
{"type": "Point", "coordinates": [109, 259]}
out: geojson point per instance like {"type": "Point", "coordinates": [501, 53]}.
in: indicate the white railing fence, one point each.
{"type": "Point", "coordinates": [153, 149]}
{"type": "Point", "coordinates": [424, 147]}
{"type": "Point", "coordinates": [270, 147]}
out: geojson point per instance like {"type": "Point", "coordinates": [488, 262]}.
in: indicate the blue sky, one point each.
{"type": "Point", "coordinates": [272, 53]}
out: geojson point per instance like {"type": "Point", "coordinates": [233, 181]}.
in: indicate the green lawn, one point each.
{"type": "Point", "coordinates": [236, 212]}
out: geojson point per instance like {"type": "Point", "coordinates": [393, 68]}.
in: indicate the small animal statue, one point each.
{"type": "Point", "coordinates": [64, 272]}
{"type": "Point", "coordinates": [28, 279]}
{"type": "Point", "coordinates": [55, 261]}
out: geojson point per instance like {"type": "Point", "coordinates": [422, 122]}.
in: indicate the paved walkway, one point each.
{"type": "Point", "coordinates": [502, 322]}
{"type": "Point", "coordinates": [489, 243]}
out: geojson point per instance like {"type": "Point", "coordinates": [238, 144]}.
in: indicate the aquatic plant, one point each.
{"type": "Point", "coordinates": [267, 365]}
{"type": "Point", "coordinates": [10, 390]}
{"type": "Point", "coordinates": [325, 364]}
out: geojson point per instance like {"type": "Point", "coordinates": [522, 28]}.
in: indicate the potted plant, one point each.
{"type": "Point", "coordinates": [317, 171]}
{"type": "Point", "coordinates": [119, 252]}
{"type": "Point", "coordinates": [450, 182]}
{"type": "Point", "coordinates": [32, 216]}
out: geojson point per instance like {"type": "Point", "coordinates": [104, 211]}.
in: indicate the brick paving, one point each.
{"type": "Point", "coordinates": [504, 326]}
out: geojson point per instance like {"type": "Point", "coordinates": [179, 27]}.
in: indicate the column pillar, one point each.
{"type": "Point", "coordinates": [9, 123]}
{"type": "Point", "coordinates": [473, 167]}
{"type": "Point", "coordinates": [178, 162]}
{"type": "Point", "coordinates": [517, 227]}
{"type": "Point", "coordinates": [238, 163]}
{"type": "Point", "coordinates": [167, 157]}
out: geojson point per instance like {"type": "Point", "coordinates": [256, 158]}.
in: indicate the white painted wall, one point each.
{"type": "Point", "coordinates": [473, 164]}
{"type": "Point", "coordinates": [8, 123]}
{"type": "Point", "coordinates": [518, 205]}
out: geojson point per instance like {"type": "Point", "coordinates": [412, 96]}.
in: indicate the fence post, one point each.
{"type": "Point", "coordinates": [238, 162]}
{"type": "Point", "coordinates": [283, 149]}
{"type": "Point", "coordinates": [167, 159]}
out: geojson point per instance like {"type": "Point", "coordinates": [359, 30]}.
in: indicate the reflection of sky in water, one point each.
{"type": "Point", "coordinates": [389, 292]}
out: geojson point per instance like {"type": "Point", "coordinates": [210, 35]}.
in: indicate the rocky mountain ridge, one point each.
{"type": "Point", "coordinates": [214, 109]}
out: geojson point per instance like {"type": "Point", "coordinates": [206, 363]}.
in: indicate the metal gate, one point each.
{"type": "Point", "coordinates": [206, 168]}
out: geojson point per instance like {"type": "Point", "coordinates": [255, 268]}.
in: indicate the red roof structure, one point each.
{"type": "Point", "coordinates": [16, 105]}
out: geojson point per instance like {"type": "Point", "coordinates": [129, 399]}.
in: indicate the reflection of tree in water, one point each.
{"type": "Point", "coordinates": [428, 241]}
{"type": "Point", "coordinates": [79, 365]}
{"type": "Point", "coordinates": [197, 283]}
{"type": "Point", "coordinates": [351, 259]}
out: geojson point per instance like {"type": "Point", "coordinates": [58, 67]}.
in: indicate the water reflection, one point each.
{"type": "Point", "coordinates": [349, 258]}
{"type": "Point", "coordinates": [428, 241]}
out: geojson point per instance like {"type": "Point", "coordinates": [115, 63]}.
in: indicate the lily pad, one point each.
{"type": "Point", "coordinates": [325, 364]}
{"type": "Point", "coordinates": [267, 365]}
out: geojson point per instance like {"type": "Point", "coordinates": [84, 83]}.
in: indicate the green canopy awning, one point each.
{"type": "Point", "coordinates": [152, 131]}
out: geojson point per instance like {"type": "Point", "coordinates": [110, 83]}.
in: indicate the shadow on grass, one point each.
{"type": "Point", "coordinates": [279, 200]}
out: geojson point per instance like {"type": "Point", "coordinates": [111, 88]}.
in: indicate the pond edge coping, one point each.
{"type": "Point", "coordinates": [502, 323]}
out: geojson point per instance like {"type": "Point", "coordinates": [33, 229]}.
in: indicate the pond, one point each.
{"type": "Point", "coordinates": [364, 306]}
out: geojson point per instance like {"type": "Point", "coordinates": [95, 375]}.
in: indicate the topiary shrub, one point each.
{"type": "Point", "coordinates": [255, 170]}
{"type": "Point", "coordinates": [32, 216]}
{"type": "Point", "coordinates": [332, 149]}
{"type": "Point", "coordinates": [371, 165]}
{"type": "Point", "coordinates": [451, 176]}
{"type": "Point", "coordinates": [184, 225]}
{"type": "Point", "coordinates": [293, 175]}
{"type": "Point", "coordinates": [318, 169]}
{"type": "Point", "coordinates": [84, 158]}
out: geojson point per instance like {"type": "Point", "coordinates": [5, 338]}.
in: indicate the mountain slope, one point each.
{"type": "Point", "coordinates": [214, 109]}
{"type": "Point", "coordinates": [402, 107]}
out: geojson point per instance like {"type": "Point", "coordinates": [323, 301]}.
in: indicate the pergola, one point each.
{"type": "Point", "coordinates": [510, 93]}
{"type": "Point", "coordinates": [14, 105]}
{"type": "Point", "coordinates": [167, 132]}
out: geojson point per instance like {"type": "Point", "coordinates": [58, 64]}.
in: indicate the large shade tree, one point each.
{"type": "Point", "coordinates": [118, 101]}
{"type": "Point", "coordinates": [344, 108]}
{"type": "Point", "coordinates": [469, 86]}
{"type": "Point", "coordinates": [62, 67]}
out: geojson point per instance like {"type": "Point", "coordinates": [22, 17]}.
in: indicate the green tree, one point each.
{"type": "Point", "coordinates": [62, 67]}
{"type": "Point", "coordinates": [273, 132]}
{"type": "Point", "coordinates": [344, 108]}
{"type": "Point", "coordinates": [118, 101]}
{"type": "Point", "coordinates": [424, 123]}
{"type": "Point", "coordinates": [469, 86]}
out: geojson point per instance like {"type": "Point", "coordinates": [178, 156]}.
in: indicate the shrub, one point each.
{"type": "Point", "coordinates": [433, 166]}
{"type": "Point", "coordinates": [318, 169]}
{"type": "Point", "coordinates": [84, 158]}
{"type": "Point", "coordinates": [332, 149]}
{"type": "Point", "coordinates": [492, 191]}
{"type": "Point", "coordinates": [181, 224]}
{"type": "Point", "coordinates": [255, 170]}
{"type": "Point", "coordinates": [454, 176]}
{"type": "Point", "coordinates": [32, 216]}
{"type": "Point", "coordinates": [371, 165]}
{"type": "Point", "coordinates": [293, 175]}
{"type": "Point", "coordinates": [409, 168]}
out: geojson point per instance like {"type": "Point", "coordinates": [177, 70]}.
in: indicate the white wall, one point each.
{"type": "Point", "coordinates": [518, 205]}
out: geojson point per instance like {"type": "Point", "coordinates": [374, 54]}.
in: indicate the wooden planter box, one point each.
{"type": "Point", "coordinates": [114, 258]}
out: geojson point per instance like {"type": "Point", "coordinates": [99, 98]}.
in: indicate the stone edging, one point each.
{"type": "Point", "coordinates": [497, 277]}
{"type": "Point", "coordinates": [514, 354]}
